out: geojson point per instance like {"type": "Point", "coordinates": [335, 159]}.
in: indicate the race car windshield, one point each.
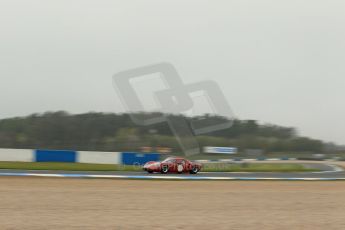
{"type": "Point", "coordinates": [169, 160]}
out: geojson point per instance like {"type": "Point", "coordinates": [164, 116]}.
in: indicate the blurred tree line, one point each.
{"type": "Point", "coordinates": [117, 132]}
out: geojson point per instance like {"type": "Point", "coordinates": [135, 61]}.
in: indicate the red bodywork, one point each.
{"type": "Point", "coordinates": [173, 165]}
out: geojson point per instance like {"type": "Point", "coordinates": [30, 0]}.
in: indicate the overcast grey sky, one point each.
{"type": "Point", "coordinates": [276, 61]}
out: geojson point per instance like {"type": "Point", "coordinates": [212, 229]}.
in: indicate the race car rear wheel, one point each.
{"type": "Point", "coordinates": [194, 170]}
{"type": "Point", "coordinates": [165, 169]}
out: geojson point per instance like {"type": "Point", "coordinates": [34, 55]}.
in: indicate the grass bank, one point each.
{"type": "Point", "coordinates": [222, 167]}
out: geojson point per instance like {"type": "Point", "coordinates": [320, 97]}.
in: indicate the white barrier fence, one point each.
{"type": "Point", "coordinates": [70, 156]}
{"type": "Point", "coordinates": [99, 157]}
{"type": "Point", "coordinates": [22, 155]}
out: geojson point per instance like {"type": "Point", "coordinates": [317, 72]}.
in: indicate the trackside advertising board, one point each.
{"type": "Point", "coordinates": [222, 150]}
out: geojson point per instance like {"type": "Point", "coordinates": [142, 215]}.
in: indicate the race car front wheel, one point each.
{"type": "Point", "coordinates": [164, 169]}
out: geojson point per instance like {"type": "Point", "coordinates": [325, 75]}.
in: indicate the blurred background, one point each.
{"type": "Point", "coordinates": [279, 64]}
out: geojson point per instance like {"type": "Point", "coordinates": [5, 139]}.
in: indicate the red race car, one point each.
{"type": "Point", "coordinates": [173, 165]}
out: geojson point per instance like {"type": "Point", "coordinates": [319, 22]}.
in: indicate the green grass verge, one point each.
{"type": "Point", "coordinates": [219, 167]}
{"type": "Point", "coordinates": [67, 166]}
{"type": "Point", "coordinates": [257, 167]}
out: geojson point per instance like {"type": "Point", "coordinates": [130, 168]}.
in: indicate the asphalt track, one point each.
{"type": "Point", "coordinates": [328, 172]}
